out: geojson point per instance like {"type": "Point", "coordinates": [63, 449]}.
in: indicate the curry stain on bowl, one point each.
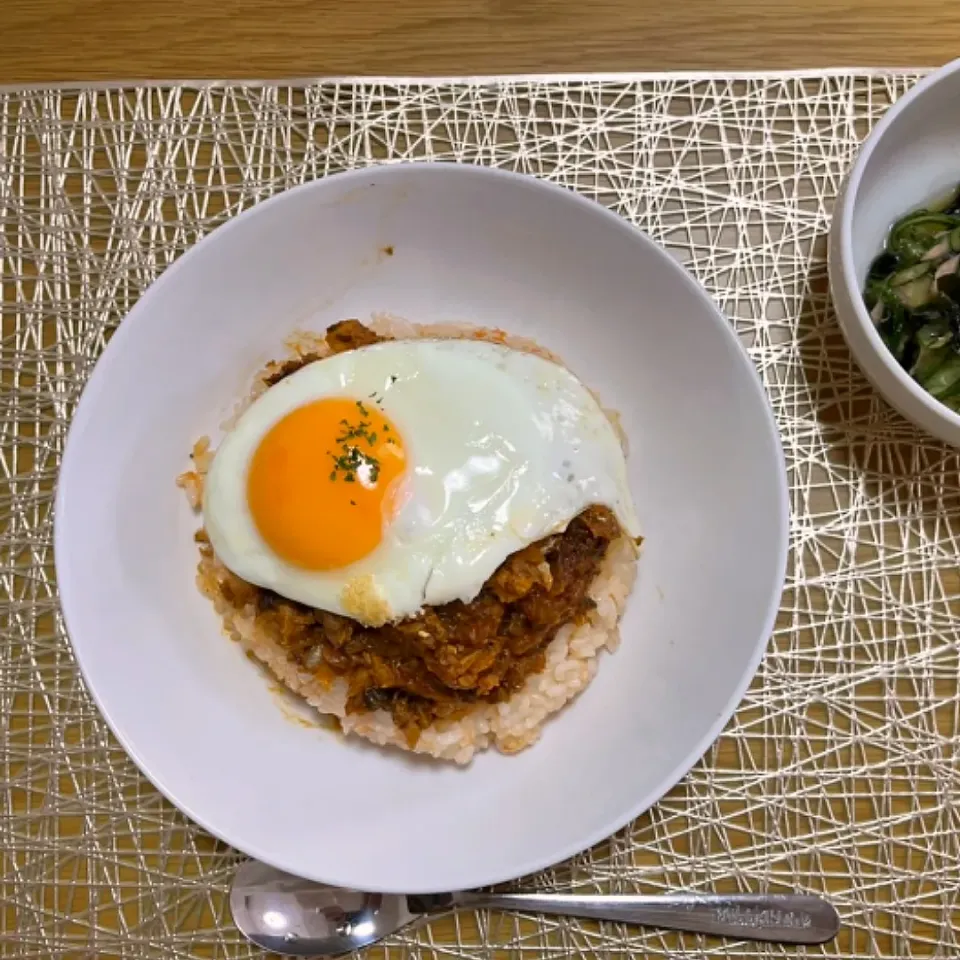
{"type": "Point", "coordinates": [291, 706]}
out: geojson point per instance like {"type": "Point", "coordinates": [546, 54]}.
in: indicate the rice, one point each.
{"type": "Point", "coordinates": [571, 657]}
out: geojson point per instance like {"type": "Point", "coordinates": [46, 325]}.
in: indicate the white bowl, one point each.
{"type": "Point", "coordinates": [911, 158]}
{"type": "Point", "coordinates": [474, 245]}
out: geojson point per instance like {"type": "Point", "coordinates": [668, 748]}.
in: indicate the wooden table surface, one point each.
{"type": "Point", "coordinates": [56, 40]}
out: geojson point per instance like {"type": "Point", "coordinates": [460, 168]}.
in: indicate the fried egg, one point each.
{"type": "Point", "coordinates": [379, 480]}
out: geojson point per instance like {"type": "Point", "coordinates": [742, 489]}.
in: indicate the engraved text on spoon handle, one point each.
{"type": "Point", "coordinates": [775, 918]}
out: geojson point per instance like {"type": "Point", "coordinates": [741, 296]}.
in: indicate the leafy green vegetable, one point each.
{"type": "Point", "coordinates": [946, 375]}
{"type": "Point", "coordinates": [912, 291]}
{"type": "Point", "coordinates": [933, 349]}
{"type": "Point", "coordinates": [913, 236]}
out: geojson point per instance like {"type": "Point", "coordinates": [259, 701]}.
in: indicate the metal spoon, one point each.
{"type": "Point", "coordinates": [296, 917]}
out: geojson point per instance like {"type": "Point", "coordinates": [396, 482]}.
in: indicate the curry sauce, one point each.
{"type": "Point", "coordinates": [438, 664]}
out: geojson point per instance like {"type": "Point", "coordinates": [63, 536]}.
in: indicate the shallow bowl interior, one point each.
{"type": "Point", "coordinates": [429, 243]}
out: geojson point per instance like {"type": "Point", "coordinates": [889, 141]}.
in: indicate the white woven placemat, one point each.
{"type": "Point", "coordinates": [839, 772]}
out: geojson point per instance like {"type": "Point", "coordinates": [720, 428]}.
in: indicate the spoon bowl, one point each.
{"type": "Point", "coordinates": [296, 917]}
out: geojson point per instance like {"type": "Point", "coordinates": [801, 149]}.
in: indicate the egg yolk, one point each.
{"type": "Point", "coordinates": [322, 482]}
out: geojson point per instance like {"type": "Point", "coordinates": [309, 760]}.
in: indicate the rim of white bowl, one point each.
{"type": "Point", "coordinates": [847, 205]}
{"type": "Point", "coordinates": [683, 767]}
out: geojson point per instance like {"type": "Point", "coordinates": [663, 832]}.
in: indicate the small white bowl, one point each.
{"type": "Point", "coordinates": [468, 244]}
{"type": "Point", "coordinates": [911, 158]}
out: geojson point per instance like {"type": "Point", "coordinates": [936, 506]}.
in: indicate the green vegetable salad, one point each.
{"type": "Point", "coordinates": [913, 295]}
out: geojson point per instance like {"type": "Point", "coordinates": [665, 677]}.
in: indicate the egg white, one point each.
{"type": "Point", "coordinates": [503, 448]}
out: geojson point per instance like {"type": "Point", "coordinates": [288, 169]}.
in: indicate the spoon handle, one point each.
{"type": "Point", "coordinates": [774, 918]}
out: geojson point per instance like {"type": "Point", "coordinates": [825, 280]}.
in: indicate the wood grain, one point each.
{"type": "Point", "coordinates": [56, 40]}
